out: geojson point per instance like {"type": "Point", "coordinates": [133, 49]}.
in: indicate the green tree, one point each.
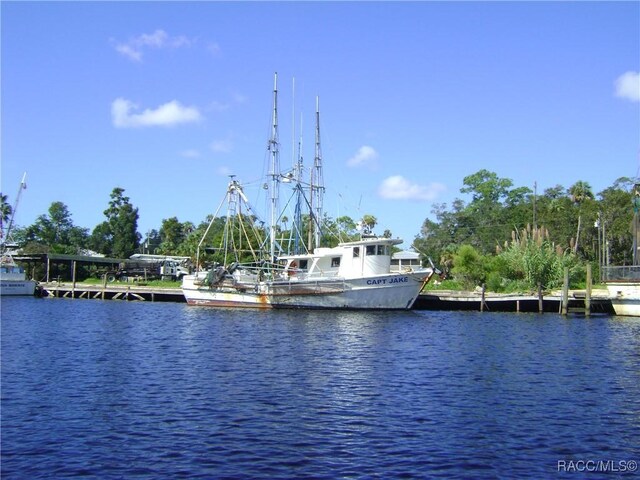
{"type": "Point", "coordinates": [615, 221]}
{"type": "Point", "coordinates": [369, 222]}
{"type": "Point", "coordinates": [469, 267]}
{"type": "Point", "coordinates": [56, 231]}
{"type": "Point", "coordinates": [5, 213]}
{"type": "Point", "coordinates": [530, 259]}
{"type": "Point", "coordinates": [580, 192]}
{"type": "Point", "coordinates": [172, 234]}
{"type": "Point", "coordinates": [119, 234]}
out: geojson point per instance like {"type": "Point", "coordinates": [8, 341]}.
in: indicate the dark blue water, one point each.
{"type": "Point", "coordinates": [113, 389]}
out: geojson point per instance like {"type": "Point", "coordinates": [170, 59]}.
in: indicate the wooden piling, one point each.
{"type": "Point", "coordinates": [484, 288]}
{"type": "Point", "coordinates": [73, 279]}
{"type": "Point", "coordinates": [540, 300]}
{"type": "Point", "coordinates": [587, 298]}
{"type": "Point", "coordinates": [565, 292]}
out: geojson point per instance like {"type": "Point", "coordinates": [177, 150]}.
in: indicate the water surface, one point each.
{"type": "Point", "coordinates": [110, 389]}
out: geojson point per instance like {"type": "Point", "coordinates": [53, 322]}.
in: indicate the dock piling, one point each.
{"type": "Point", "coordinates": [587, 298]}
{"type": "Point", "coordinates": [565, 292]}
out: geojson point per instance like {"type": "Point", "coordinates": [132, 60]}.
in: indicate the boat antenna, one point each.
{"type": "Point", "coordinates": [297, 219]}
{"type": "Point", "coordinates": [317, 181]}
{"type": "Point", "coordinates": [275, 170]}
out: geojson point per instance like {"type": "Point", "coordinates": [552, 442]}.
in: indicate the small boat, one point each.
{"type": "Point", "coordinates": [13, 278]}
{"type": "Point", "coordinates": [623, 285]}
{"type": "Point", "coordinates": [354, 274]}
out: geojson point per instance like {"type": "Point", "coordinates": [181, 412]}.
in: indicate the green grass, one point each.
{"type": "Point", "coordinates": [149, 283]}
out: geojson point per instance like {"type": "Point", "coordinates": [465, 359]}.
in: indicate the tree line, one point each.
{"type": "Point", "coordinates": [506, 233]}
{"type": "Point", "coordinates": [503, 234]}
{"type": "Point", "coordinates": [118, 237]}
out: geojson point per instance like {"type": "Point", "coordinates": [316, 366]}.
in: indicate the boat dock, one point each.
{"type": "Point", "coordinates": [431, 300]}
{"type": "Point", "coordinates": [599, 301]}
{"type": "Point", "coordinates": [110, 292]}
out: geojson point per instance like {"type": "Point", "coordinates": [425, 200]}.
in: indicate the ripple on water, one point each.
{"type": "Point", "coordinates": [124, 389]}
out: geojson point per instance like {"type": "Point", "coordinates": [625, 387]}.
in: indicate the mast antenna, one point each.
{"type": "Point", "coordinates": [275, 171]}
{"type": "Point", "coordinates": [317, 180]}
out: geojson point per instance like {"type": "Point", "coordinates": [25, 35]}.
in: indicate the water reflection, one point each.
{"type": "Point", "coordinates": [110, 389]}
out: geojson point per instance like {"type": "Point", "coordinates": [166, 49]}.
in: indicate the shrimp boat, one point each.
{"type": "Point", "coordinates": [354, 274]}
{"type": "Point", "coordinates": [13, 278]}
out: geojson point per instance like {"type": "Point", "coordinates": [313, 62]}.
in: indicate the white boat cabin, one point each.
{"type": "Point", "coordinates": [365, 257]}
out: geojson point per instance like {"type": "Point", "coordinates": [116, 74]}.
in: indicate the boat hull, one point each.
{"type": "Point", "coordinates": [389, 291]}
{"type": "Point", "coordinates": [625, 298]}
{"type": "Point", "coordinates": [17, 287]}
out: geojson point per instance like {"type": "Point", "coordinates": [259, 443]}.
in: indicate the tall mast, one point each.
{"type": "Point", "coordinates": [23, 185]}
{"type": "Point", "coordinates": [317, 181]}
{"type": "Point", "coordinates": [297, 220]}
{"type": "Point", "coordinates": [275, 170]}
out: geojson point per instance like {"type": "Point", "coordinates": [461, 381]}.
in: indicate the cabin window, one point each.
{"type": "Point", "coordinates": [371, 249]}
{"type": "Point", "coordinates": [304, 264]}
{"type": "Point", "coordinates": [335, 261]}
{"type": "Point", "coordinates": [382, 250]}
{"type": "Point", "coordinates": [356, 252]}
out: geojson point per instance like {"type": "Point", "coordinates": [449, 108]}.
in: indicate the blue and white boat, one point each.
{"type": "Point", "coordinates": [352, 275]}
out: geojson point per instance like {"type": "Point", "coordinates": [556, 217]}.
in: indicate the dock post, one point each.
{"type": "Point", "coordinates": [587, 297]}
{"type": "Point", "coordinates": [73, 279]}
{"type": "Point", "coordinates": [565, 292]}
{"type": "Point", "coordinates": [484, 288]}
{"type": "Point", "coordinates": [540, 301]}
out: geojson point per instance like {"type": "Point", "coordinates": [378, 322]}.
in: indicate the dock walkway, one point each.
{"type": "Point", "coordinates": [430, 300]}
{"type": "Point", "coordinates": [512, 302]}
{"type": "Point", "coordinates": [111, 292]}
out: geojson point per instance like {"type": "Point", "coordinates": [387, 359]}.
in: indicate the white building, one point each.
{"type": "Point", "coordinates": [404, 260]}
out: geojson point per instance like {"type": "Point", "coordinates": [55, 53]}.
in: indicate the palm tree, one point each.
{"type": "Point", "coordinates": [579, 192]}
{"type": "Point", "coordinates": [369, 221]}
{"type": "Point", "coordinates": [5, 212]}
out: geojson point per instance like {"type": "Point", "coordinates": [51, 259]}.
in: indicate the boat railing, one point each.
{"type": "Point", "coordinates": [303, 275]}
{"type": "Point", "coordinates": [628, 273]}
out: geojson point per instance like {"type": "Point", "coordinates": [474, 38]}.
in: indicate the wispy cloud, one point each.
{"type": "Point", "coordinates": [222, 145]}
{"type": "Point", "coordinates": [123, 115]}
{"type": "Point", "coordinates": [233, 100]}
{"type": "Point", "coordinates": [213, 48]}
{"type": "Point", "coordinates": [628, 86]}
{"type": "Point", "coordinates": [365, 156]}
{"type": "Point", "coordinates": [224, 170]}
{"type": "Point", "coordinates": [399, 188]}
{"type": "Point", "coordinates": [134, 48]}
{"type": "Point", "coordinates": [190, 153]}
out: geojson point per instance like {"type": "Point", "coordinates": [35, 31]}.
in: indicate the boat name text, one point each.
{"type": "Point", "coordinates": [383, 281]}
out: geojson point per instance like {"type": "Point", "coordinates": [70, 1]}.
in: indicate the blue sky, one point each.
{"type": "Point", "coordinates": [167, 99]}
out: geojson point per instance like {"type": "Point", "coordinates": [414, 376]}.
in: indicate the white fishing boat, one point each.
{"type": "Point", "coordinates": [623, 285]}
{"type": "Point", "coordinates": [352, 275]}
{"type": "Point", "coordinates": [13, 278]}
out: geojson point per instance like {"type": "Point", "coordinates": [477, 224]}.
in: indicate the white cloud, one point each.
{"type": "Point", "coordinates": [628, 86]}
{"type": "Point", "coordinates": [213, 48]}
{"type": "Point", "coordinates": [221, 145]}
{"type": "Point", "coordinates": [167, 115]}
{"type": "Point", "coordinates": [365, 155]}
{"type": "Point", "coordinates": [191, 153]}
{"type": "Point", "coordinates": [134, 48]}
{"type": "Point", "coordinates": [399, 188]}
{"type": "Point", "coordinates": [224, 171]}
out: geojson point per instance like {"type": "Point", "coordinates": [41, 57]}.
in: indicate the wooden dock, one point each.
{"type": "Point", "coordinates": [430, 300]}
{"type": "Point", "coordinates": [508, 302]}
{"type": "Point", "coordinates": [131, 292]}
